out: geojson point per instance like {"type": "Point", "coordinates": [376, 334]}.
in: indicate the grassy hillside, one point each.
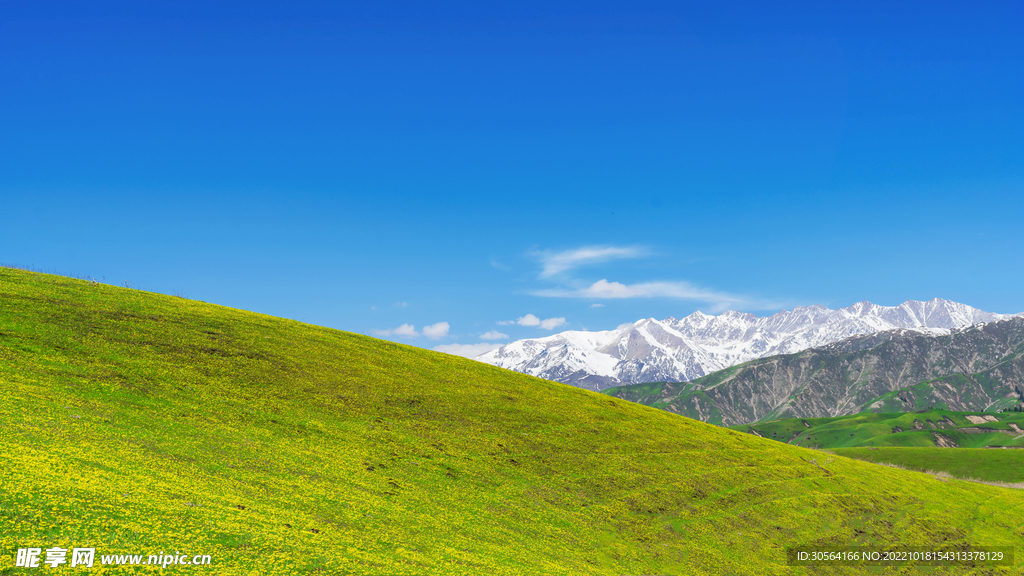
{"type": "Point", "coordinates": [138, 423]}
{"type": "Point", "coordinates": [923, 429]}
{"type": "Point", "coordinates": [677, 397]}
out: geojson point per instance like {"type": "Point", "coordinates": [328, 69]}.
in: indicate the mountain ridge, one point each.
{"type": "Point", "coordinates": [978, 368]}
{"type": "Point", "coordinates": [680, 350]}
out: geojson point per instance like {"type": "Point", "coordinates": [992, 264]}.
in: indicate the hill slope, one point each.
{"type": "Point", "coordinates": [975, 369]}
{"type": "Point", "coordinates": [138, 423]}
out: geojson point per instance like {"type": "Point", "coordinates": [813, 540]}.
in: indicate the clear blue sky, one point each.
{"type": "Point", "coordinates": [368, 165]}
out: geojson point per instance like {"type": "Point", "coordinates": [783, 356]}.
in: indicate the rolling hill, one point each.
{"type": "Point", "coordinates": [137, 423]}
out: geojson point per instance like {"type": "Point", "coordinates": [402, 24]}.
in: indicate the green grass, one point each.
{"type": "Point", "coordinates": [893, 429]}
{"type": "Point", "coordinates": [892, 438]}
{"type": "Point", "coordinates": [676, 397]}
{"type": "Point", "coordinates": [988, 465]}
{"type": "Point", "coordinates": [137, 423]}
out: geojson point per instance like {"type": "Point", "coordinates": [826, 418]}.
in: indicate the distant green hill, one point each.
{"type": "Point", "coordinates": [975, 463]}
{"type": "Point", "coordinates": [135, 422]}
{"type": "Point", "coordinates": [940, 428]}
{"type": "Point", "coordinates": [980, 368]}
{"type": "Point", "coordinates": [964, 444]}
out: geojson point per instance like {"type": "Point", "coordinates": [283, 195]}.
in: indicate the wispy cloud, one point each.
{"type": "Point", "coordinates": [436, 331]}
{"type": "Point", "coordinates": [605, 290]}
{"type": "Point", "coordinates": [559, 270]}
{"type": "Point", "coordinates": [467, 350]}
{"type": "Point", "coordinates": [554, 263]}
{"type": "Point", "coordinates": [493, 335]}
{"type": "Point", "coordinates": [405, 330]}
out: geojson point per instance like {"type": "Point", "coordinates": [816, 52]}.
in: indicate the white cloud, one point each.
{"type": "Point", "coordinates": [554, 263]}
{"type": "Point", "coordinates": [606, 290]}
{"type": "Point", "coordinates": [531, 320]}
{"type": "Point", "coordinates": [467, 350]}
{"type": "Point", "coordinates": [493, 335]}
{"type": "Point", "coordinates": [552, 323]}
{"type": "Point", "coordinates": [401, 304]}
{"type": "Point", "coordinates": [597, 305]}
{"type": "Point", "coordinates": [528, 320]}
{"type": "Point", "coordinates": [405, 330]}
{"type": "Point", "coordinates": [436, 331]}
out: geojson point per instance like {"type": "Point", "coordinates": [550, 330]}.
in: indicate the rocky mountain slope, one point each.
{"type": "Point", "coordinates": [676, 350]}
{"type": "Point", "coordinates": [974, 369]}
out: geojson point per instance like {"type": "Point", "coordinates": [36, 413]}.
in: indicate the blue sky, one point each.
{"type": "Point", "coordinates": [441, 173]}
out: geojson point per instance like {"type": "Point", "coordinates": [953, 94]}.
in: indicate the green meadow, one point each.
{"type": "Point", "coordinates": [986, 465]}
{"type": "Point", "coordinates": [135, 422]}
{"type": "Point", "coordinates": [921, 429]}
{"type": "Point", "coordinates": [928, 440]}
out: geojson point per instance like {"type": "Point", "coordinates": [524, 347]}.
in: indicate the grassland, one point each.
{"type": "Point", "coordinates": [916, 440]}
{"type": "Point", "coordinates": [986, 465]}
{"type": "Point", "coordinates": [921, 429]}
{"type": "Point", "coordinates": [677, 397]}
{"type": "Point", "coordinates": [137, 422]}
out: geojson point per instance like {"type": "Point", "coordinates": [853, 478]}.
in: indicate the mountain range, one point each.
{"type": "Point", "coordinates": [680, 350]}
{"type": "Point", "coordinates": [974, 369]}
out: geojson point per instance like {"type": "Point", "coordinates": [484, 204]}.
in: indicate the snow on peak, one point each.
{"type": "Point", "coordinates": [651, 350]}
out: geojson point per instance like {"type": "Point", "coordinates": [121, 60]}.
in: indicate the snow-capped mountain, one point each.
{"type": "Point", "coordinates": [675, 350]}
